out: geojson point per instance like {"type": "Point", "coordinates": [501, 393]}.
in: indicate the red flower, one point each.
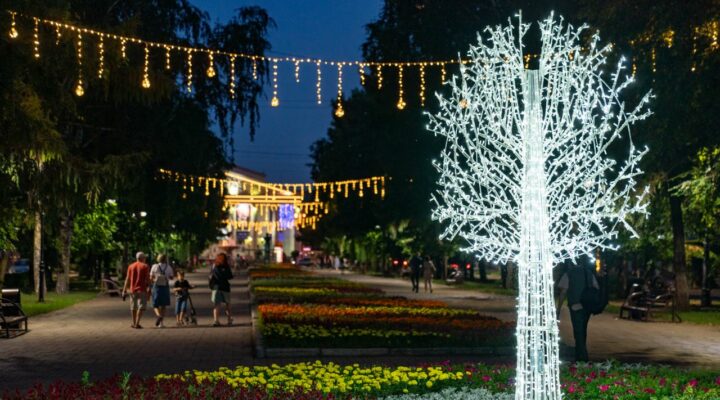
{"type": "Point", "coordinates": [604, 388]}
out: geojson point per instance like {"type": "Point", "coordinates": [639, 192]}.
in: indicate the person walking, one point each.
{"type": "Point", "coordinates": [161, 274]}
{"type": "Point", "coordinates": [573, 282]}
{"type": "Point", "coordinates": [137, 285]}
{"type": "Point", "coordinates": [428, 271]}
{"type": "Point", "coordinates": [415, 266]}
{"type": "Point", "coordinates": [182, 294]}
{"type": "Point", "coordinates": [220, 285]}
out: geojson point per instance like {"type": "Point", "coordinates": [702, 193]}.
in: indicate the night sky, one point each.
{"type": "Point", "coordinates": [308, 28]}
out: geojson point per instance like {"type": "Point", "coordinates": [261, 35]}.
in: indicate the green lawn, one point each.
{"type": "Point", "coordinates": [705, 317]}
{"type": "Point", "coordinates": [53, 301]}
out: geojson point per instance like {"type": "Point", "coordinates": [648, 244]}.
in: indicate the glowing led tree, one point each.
{"type": "Point", "coordinates": [525, 173]}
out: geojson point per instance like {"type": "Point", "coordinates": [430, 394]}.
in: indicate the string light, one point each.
{"type": "Point", "coordinates": [361, 72]}
{"type": "Point", "coordinates": [211, 66]}
{"type": "Point", "coordinates": [694, 49]}
{"type": "Point", "coordinates": [123, 49]}
{"type": "Point", "coordinates": [79, 90]}
{"type": "Point", "coordinates": [379, 76]}
{"type": "Point", "coordinates": [297, 71]}
{"type": "Point", "coordinates": [549, 193]}
{"type": "Point", "coordinates": [101, 58]}
{"type": "Point", "coordinates": [714, 35]}
{"type": "Point", "coordinates": [167, 57]}
{"type": "Point", "coordinates": [36, 39]}
{"type": "Point", "coordinates": [13, 29]}
{"type": "Point", "coordinates": [339, 112]}
{"type": "Point", "coordinates": [401, 102]}
{"type": "Point", "coordinates": [318, 84]}
{"type": "Point", "coordinates": [146, 69]}
{"type": "Point", "coordinates": [58, 35]}
{"type": "Point", "coordinates": [422, 85]}
{"type": "Point", "coordinates": [254, 69]}
{"type": "Point", "coordinates": [232, 77]}
{"type": "Point", "coordinates": [654, 58]}
{"type": "Point", "coordinates": [275, 101]}
{"type": "Point", "coordinates": [443, 73]}
{"type": "Point", "coordinates": [189, 73]}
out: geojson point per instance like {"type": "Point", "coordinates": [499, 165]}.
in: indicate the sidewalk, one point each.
{"type": "Point", "coordinates": [95, 336]}
{"type": "Point", "coordinates": [609, 337]}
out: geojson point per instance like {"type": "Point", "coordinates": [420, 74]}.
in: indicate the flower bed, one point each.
{"type": "Point", "coordinates": [313, 311]}
{"type": "Point", "coordinates": [332, 381]}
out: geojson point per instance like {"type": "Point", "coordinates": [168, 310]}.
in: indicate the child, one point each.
{"type": "Point", "coordinates": [182, 292]}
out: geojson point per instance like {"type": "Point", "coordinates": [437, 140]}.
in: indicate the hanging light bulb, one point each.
{"type": "Point", "coordinates": [79, 90]}
{"type": "Point", "coordinates": [232, 77]}
{"type": "Point", "coordinates": [101, 58]}
{"type": "Point", "coordinates": [401, 102]}
{"type": "Point", "coordinates": [339, 112]}
{"type": "Point", "coordinates": [146, 68]}
{"type": "Point", "coordinates": [275, 100]}
{"type": "Point", "coordinates": [13, 30]}
{"type": "Point", "coordinates": [211, 68]}
{"type": "Point", "coordinates": [36, 39]}
{"type": "Point", "coordinates": [318, 84]}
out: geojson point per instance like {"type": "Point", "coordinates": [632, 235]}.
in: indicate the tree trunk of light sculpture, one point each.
{"type": "Point", "coordinates": [525, 176]}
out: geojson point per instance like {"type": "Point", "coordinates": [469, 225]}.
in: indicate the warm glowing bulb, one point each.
{"type": "Point", "coordinates": [13, 33]}
{"type": "Point", "coordinates": [339, 112]}
{"type": "Point", "coordinates": [146, 83]}
{"type": "Point", "coordinates": [211, 72]}
{"type": "Point", "coordinates": [401, 104]}
{"type": "Point", "coordinates": [463, 103]}
{"type": "Point", "coordinates": [275, 101]}
{"type": "Point", "coordinates": [79, 91]}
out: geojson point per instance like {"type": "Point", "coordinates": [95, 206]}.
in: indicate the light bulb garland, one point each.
{"type": "Point", "coordinates": [232, 77]}
{"type": "Point", "coordinates": [401, 101]}
{"type": "Point", "coordinates": [275, 100]}
{"type": "Point", "coordinates": [339, 112]}
{"type": "Point", "coordinates": [146, 70]}
{"type": "Point", "coordinates": [79, 89]}
{"type": "Point", "coordinates": [189, 73]}
{"type": "Point", "coordinates": [709, 29]}
{"type": "Point", "coordinates": [318, 83]}
{"type": "Point", "coordinates": [101, 58]}
{"type": "Point", "coordinates": [36, 38]}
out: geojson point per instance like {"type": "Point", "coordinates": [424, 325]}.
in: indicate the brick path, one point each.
{"type": "Point", "coordinates": [608, 336]}
{"type": "Point", "coordinates": [95, 336]}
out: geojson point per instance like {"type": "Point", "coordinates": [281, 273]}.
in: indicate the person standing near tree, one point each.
{"type": "Point", "coordinates": [415, 267]}
{"type": "Point", "coordinates": [137, 285]}
{"type": "Point", "coordinates": [575, 280]}
{"type": "Point", "coordinates": [220, 284]}
{"type": "Point", "coordinates": [428, 269]}
{"type": "Point", "coordinates": [161, 274]}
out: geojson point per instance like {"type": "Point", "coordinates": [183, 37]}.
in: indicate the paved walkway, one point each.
{"type": "Point", "coordinates": [609, 337]}
{"type": "Point", "coordinates": [95, 336]}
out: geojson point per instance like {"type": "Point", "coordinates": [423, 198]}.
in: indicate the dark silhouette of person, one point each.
{"type": "Point", "coordinates": [415, 268]}
{"type": "Point", "coordinates": [572, 283]}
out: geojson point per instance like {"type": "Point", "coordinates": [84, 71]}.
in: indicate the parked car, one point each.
{"type": "Point", "coordinates": [21, 266]}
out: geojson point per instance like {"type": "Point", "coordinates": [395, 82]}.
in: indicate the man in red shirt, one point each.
{"type": "Point", "coordinates": [137, 284]}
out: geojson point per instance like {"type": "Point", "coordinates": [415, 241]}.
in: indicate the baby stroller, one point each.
{"type": "Point", "coordinates": [190, 314]}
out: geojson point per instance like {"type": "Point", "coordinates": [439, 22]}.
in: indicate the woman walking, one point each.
{"type": "Point", "coordinates": [428, 272]}
{"type": "Point", "coordinates": [160, 276]}
{"type": "Point", "coordinates": [220, 284]}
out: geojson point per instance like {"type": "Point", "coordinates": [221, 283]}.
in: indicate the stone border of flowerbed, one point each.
{"type": "Point", "coordinates": [261, 351]}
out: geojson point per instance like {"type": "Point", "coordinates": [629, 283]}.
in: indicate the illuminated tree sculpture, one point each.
{"type": "Point", "coordinates": [525, 173]}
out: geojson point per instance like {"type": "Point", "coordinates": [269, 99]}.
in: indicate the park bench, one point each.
{"type": "Point", "coordinates": [12, 318]}
{"type": "Point", "coordinates": [643, 305]}
{"type": "Point", "coordinates": [111, 287]}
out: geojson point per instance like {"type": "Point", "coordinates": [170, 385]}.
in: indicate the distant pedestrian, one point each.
{"type": "Point", "coordinates": [137, 283]}
{"type": "Point", "coordinates": [161, 274]}
{"type": "Point", "coordinates": [182, 294]}
{"type": "Point", "coordinates": [573, 282]}
{"type": "Point", "coordinates": [428, 272]}
{"type": "Point", "coordinates": [415, 266]}
{"type": "Point", "coordinates": [220, 284]}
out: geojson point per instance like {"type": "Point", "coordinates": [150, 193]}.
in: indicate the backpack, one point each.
{"type": "Point", "coordinates": [591, 297]}
{"type": "Point", "coordinates": [161, 279]}
{"type": "Point", "coordinates": [212, 281]}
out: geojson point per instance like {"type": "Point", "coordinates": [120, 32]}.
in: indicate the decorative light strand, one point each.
{"type": "Point", "coordinates": [361, 72]}
{"type": "Point", "coordinates": [443, 73]}
{"type": "Point", "coordinates": [13, 28]}
{"type": "Point", "coordinates": [318, 83]}
{"type": "Point", "coordinates": [339, 112]}
{"type": "Point", "coordinates": [379, 76]}
{"type": "Point", "coordinates": [36, 39]}
{"type": "Point", "coordinates": [401, 101]}
{"type": "Point", "coordinates": [275, 100]}
{"type": "Point", "coordinates": [146, 70]}
{"type": "Point", "coordinates": [58, 35]}
{"type": "Point", "coordinates": [167, 58]}
{"type": "Point", "coordinates": [101, 58]}
{"type": "Point", "coordinates": [189, 73]}
{"type": "Point", "coordinates": [254, 69]}
{"type": "Point", "coordinates": [79, 90]}
{"type": "Point", "coordinates": [123, 49]}
{"type": "Point", "coordinates": [422, 86]}
{"type": "Point", "coordinates": [211, 66]}
{"type": "Point", "coordinates": [297, 71]}
{"type": "Point", "coordinates": [232, 77]}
